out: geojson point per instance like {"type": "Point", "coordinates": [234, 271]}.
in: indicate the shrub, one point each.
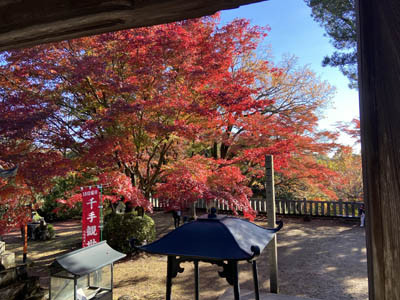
{"type": "Point", "coordinates": [63, 211]}
{"type": "Point", "coordinates": [50, 230]}
{"type": "Point", "coordinates": [120, 228]}
{"type": "Point", "coordinates": [62, 187]}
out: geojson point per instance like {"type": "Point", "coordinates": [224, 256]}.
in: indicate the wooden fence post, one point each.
{"type": "Point", "coordinates": [271, 216]}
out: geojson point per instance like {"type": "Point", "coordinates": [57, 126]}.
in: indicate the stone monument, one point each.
{"type": "Point", "coordinates": [7, 258]}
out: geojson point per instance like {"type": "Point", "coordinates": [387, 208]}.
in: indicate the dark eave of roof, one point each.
{"type": "Point", "coordinates": [25, 23]}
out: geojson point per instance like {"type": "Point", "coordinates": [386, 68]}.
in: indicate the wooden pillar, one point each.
{"type": "Point", "coordinates": [379, 84]}
{"type": "Point", "coordinates": [271, 216]}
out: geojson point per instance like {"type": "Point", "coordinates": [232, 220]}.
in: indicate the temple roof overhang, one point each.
{"type": "Point", "coordinates": [25, 23]}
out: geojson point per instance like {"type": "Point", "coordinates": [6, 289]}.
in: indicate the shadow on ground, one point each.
{"type": "Point", "coordinates": [323, 259]}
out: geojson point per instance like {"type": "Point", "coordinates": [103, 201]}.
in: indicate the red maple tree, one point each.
{"type": "Point", "coordinates": [125, 108]}
{"type": "Point", "coordinates": [198, 178]}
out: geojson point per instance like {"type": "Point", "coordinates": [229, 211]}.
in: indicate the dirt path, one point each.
{"type": "Point", "coordinates": [43, 253]}
{"type": "Point", "coordinates": [324, 259]}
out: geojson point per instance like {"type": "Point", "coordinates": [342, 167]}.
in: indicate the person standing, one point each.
{"type": "Point", "coordinates": [177, 217]}
{"type": "Point", "coordinates": [361, 213]}
{"type": "Point", "coordinates": [178, 212]}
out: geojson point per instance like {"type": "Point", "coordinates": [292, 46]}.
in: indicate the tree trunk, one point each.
{"type": "Point", "coordinates": [224, 150]}
{"type": "Point", "coordinates": [192, 210]}
{"type": "Point", "coordinates": [215, 151]}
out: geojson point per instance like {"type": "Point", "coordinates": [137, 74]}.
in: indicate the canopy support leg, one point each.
{"type": "Point", "coordinates": [169, 277]}
{"type": "Point", "coordinates": [236, 287]}
{"type": "Point", "coordinates": [196, 279]}
{"type": "Point", "coordinates": [255, 279]}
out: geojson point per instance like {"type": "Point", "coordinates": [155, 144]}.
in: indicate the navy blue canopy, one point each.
{"type": "Point", "coordinates": [214, 238]}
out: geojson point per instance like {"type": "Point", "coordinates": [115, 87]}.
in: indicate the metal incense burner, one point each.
{"type": "Point", "coordinates": [219, 240]}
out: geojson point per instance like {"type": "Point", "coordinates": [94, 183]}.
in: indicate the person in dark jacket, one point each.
{"type": "Point", "coordinates": [177, 217]}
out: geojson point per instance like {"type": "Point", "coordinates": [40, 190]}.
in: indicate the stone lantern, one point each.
{"type": "Point", "coordinates": [84, 274]}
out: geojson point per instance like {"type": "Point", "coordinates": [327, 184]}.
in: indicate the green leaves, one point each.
{"type": "Point", "coordinates": [338, 17]}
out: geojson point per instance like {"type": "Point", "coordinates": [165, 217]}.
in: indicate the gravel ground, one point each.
{"type": "Point", "coordinates": [323, 259]}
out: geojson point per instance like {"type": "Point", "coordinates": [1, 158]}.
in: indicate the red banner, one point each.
{"type": "Point", "coordinates": [90, 216]}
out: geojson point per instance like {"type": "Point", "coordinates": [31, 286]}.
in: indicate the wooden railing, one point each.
{"type": "Point", "coordinates": [318, 208]}
{"type": "Point", "coordinates": [293, 207]}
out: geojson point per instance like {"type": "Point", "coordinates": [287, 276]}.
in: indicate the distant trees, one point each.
{"type": "Point", "coordinates": [348, 166]}
{"type": "Point", "coordinates": [348, 184]}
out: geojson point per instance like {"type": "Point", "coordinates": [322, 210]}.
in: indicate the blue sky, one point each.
{"type": "Point", "coordinates": [293, 31]}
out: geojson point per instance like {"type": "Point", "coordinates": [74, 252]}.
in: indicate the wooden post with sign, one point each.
{"type": "Point", "coordinates": [271, 216]}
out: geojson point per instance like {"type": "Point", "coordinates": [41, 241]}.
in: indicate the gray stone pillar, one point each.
{"type": "Point", "coordinates": [271, 216]}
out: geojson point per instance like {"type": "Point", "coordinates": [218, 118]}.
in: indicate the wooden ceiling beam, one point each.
{"type": "Point", "coordinates": [26, 23]}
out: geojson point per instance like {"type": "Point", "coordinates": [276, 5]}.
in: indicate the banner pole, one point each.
{"type": "Point", "coordinates": [25, 251]}
{"type": "Point", "coordinates": [101, 211]}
